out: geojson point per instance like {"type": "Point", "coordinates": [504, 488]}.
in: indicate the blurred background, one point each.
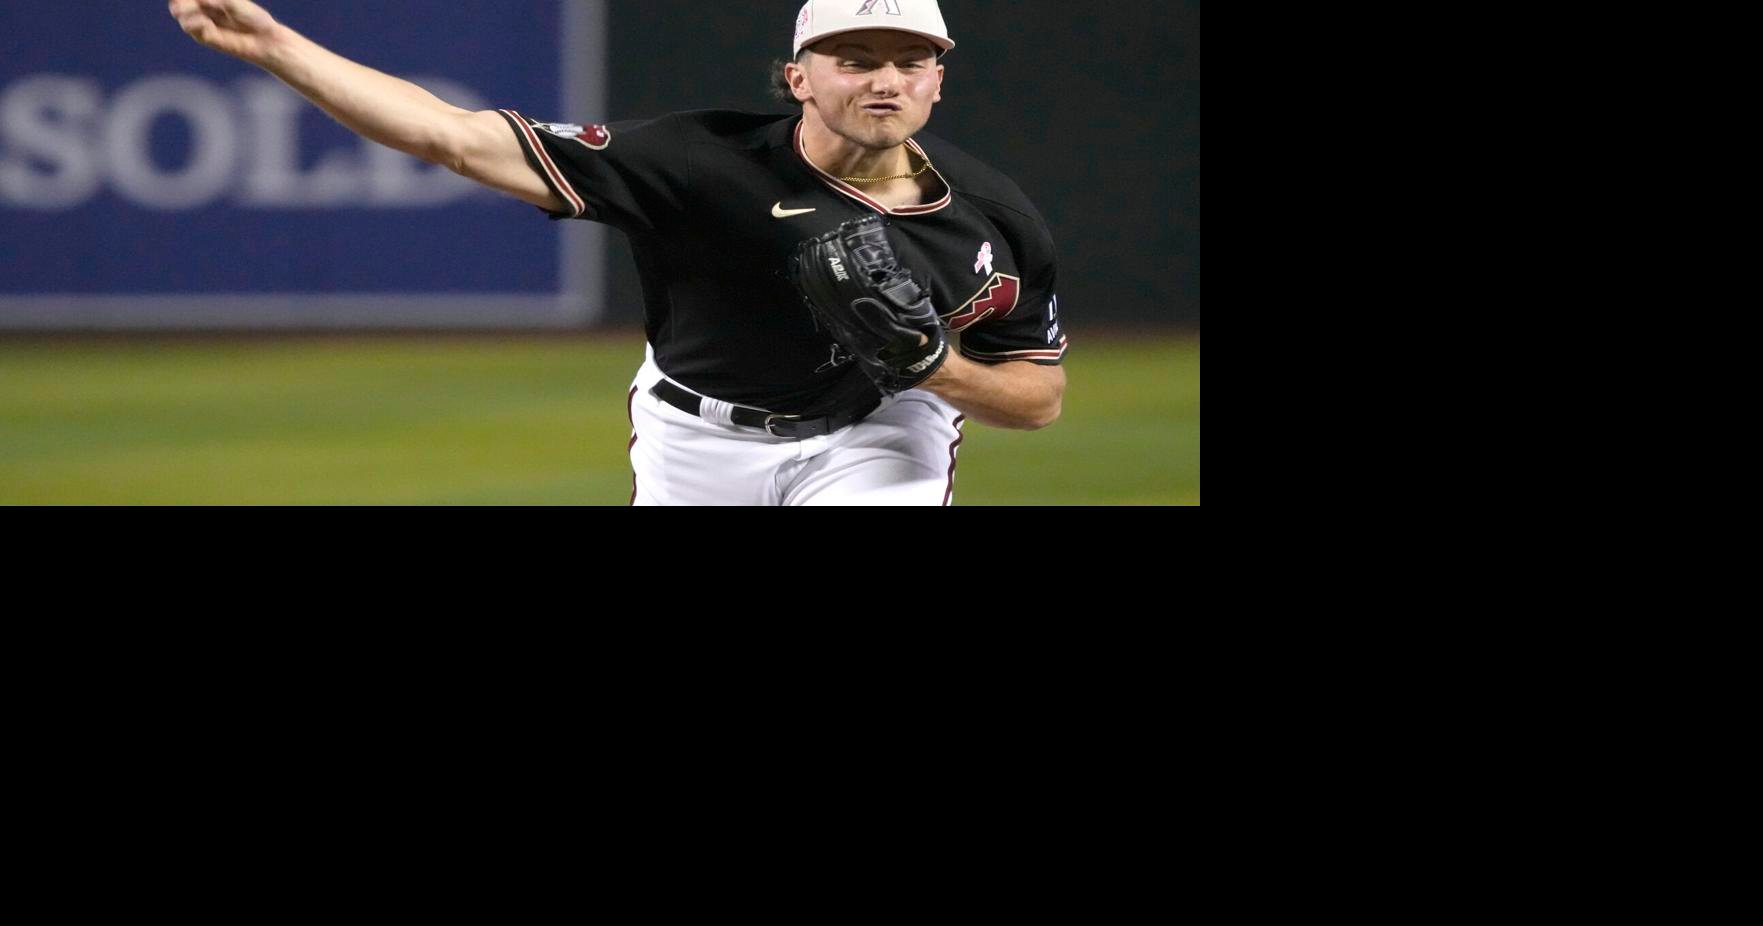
{"type": "Point", "coordinates": [209, 293]}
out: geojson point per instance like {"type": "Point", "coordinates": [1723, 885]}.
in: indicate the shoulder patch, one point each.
{"type": "Point", "coordinates": [596, 137]}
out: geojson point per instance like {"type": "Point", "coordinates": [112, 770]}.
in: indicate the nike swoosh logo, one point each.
{"type": "Point", "coordinates": [779, 212]}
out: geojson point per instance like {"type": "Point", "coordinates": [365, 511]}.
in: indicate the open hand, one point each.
{"type": "Point", "coordinates": [237, 27]}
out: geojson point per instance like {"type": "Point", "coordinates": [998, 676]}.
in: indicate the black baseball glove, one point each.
{"type": "Point", "coordinates": [870, 304]}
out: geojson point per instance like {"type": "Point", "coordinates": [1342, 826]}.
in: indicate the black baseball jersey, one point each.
{"type": "Point", "coordinates": [715, 203]}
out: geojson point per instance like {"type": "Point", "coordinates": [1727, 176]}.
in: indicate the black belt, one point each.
{"type": "Point", "coordinates": [789, 426]}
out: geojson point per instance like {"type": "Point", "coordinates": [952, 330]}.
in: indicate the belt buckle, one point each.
{"type": "Point", "coordinates": [770, 418]}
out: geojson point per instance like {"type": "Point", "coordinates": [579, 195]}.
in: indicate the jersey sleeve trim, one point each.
{"type": "Point", "coordinates": [541, 160]}
{"type": "Point", "coordinates": [1051, 355]}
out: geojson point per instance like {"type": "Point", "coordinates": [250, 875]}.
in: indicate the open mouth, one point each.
{"type": "Point", "coordinates": [881, 108]}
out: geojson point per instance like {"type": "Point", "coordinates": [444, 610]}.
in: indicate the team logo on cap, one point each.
{"type": "Point", "coordinates": [892, 8]}
{"type": "Point", "coordinates": [596, 137]}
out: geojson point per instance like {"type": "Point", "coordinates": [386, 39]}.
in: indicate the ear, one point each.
{"type": "Point", "coordinates": [797, 76]}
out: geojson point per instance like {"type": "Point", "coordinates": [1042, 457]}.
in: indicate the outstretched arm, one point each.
{"type": "Point", "coordinates": [377, 106]}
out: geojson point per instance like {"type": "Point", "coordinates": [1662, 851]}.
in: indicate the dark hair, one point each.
{"type": "Point", "coordinates": [780, 85]}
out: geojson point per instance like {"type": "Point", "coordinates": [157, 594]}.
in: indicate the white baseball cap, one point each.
{"type": "Point", "coordinates": [821, 18]}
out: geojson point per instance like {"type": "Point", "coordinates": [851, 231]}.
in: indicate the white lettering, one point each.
{"type": "Point", "coordinates": [922, 364]}
{"type": "Point", "coordinates": [44, 122]}
{"type": "Point", "coordinates": [839, 269]}
{"type": "Point", "coordinates": [214, 143]}
{"type": "Point", "coordinates": [60, 144]}
{"type": "Point", "coordinates": [272, 174]}
{"type": "Point", "coordinates": [369, 173]}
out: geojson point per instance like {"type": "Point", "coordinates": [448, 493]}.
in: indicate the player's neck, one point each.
{"type": "Point", "coordinates": [837, 156]}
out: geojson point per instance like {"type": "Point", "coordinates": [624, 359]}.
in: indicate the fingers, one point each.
{"type": "Point", "coordinates": [194, 20]}
{"type": "Point", "coordinates": [225, 11]}
{"type": "Point", "coordinates": [197, 26]}
{"type": "Point", "coordinates": [236, 15]}
{"type": "Point", "coordinates": [206, 8]}
{"type": "Point", "coordinates": [191, 18]}
{"type": "Point", "coordinates": [211, 21]}
{"type": "Point", "coordinates": [215, 12]}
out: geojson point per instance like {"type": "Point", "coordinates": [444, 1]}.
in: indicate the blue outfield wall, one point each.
{"type": "Point", "coordinates": [147, 182]}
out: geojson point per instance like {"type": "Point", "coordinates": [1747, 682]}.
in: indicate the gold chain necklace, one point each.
{"type": "Point", "coordinates": [921, 169]}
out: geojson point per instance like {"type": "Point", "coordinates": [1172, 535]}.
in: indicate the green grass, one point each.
{"type": "Point", "coordinates": [442, 421]}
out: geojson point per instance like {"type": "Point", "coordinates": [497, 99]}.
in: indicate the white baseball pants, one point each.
{"type": "Point", "coordinates": [902, 454]}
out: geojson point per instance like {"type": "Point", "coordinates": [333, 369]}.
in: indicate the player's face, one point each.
{"type": "Point", "coordinates": [873, 88]}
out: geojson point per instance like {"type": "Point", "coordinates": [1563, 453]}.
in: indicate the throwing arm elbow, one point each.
{"type": "Point", "coordinates": [482, 147]}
